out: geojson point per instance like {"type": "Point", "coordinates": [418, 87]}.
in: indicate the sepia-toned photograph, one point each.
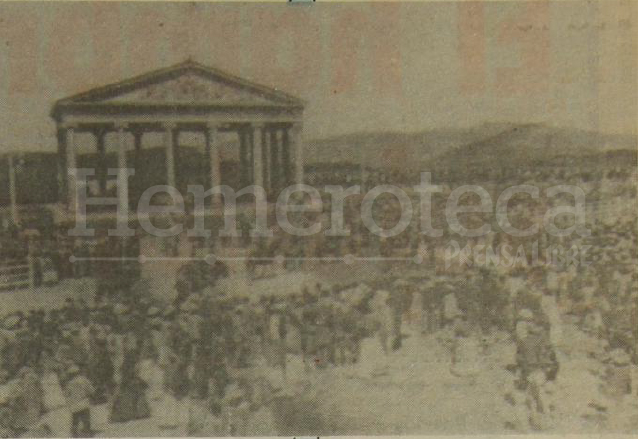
{"type": "Point", "coordinates": [307, 218]}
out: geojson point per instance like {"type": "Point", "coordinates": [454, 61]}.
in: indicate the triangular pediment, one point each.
{"type": "Point", "coordinates": [192, 87]}
{"type": "Point", "coordinates": [185, 83]}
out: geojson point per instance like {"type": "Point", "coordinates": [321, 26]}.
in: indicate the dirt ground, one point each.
{"type": "Point", "coordinates": [409, 391]}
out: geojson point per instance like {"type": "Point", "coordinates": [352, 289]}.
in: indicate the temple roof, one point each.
{"type": "Point", "coordinates": [186, 83]}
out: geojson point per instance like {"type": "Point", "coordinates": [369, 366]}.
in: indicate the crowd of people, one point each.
{"type": "Point", "coordinates": [125, 348]}
{"type": "Point", "coordinates": [212, 350]}
{"type": "Point", "coordinates": [129, 350]}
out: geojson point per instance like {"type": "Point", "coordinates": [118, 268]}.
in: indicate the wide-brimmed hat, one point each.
{"type": "Point", "coordinates": [534, 328]}
{"type": "Point", "coordinates": [24, 370]}
{"type": "Point", "coordinates": [234, 394]}
{"type": "Point", "coordinates": [189, 306]}
{"type": "Point", "coordinates": [526, 315]}
{"type": "Point", "coordinates": [282, 392]}
{"type": "Point", "coordinates": [12, 322]}
{"type": "Point", "coordinates": [156, 322]}
{"type": "Point", "coordinates": [619, 357]}
{"type": "Point", "coordinates": [120, 308]}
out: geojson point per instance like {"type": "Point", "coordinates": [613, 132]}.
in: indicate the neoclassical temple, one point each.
{"type": "Point", "coordinates": [185, 98]}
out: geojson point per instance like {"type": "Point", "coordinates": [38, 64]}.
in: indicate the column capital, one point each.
{"type": "Point", "coordinates": [120, 125]}
{"type": "Point", "coordinates": [136, 131]}
{"type": "Point", "coordinates": [212, 125]}
{"type": "Point", "coordinates": [169, 125]}
{"type": "Point", "coordinates": [296, 126]}
{"type": "Point", "coordinates": [68, 125]}
{"type": "Point", "coordinates": [101, 131]}
{"type": "Point", "coordinates": [259, 125]}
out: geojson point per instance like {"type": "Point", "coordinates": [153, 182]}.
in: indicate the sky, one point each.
{"type": "Point", "coordinates": [359, 66]}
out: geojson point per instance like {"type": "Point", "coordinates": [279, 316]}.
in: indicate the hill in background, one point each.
{"type": "Point", "coordinates": [489, 145]}
{"type": "Point", "coordinates": [533, 145]}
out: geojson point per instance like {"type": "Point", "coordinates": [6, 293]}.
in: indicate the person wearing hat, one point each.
{"type": "Point", "coordinates": [351, 324]}
{"type": "Point", "coordinates": [383, 317]}
{"type": "Point", "coordinates": [325, 330]}
{"type": "Point", "coordinates": [261, 420]}
{"type": "Point", "coordinates": [450, 305]}
{"type": "Point", "coordinates": [100, 369]}
{"type": "Point", "coordinates": [525, 317]}
{"type": "Point", "coordinates": [70, 313]}
{"type": "Point", "coordinates": [307, 327]}
{"type": "Point", "coordinates": [130, 401]}
{"type": "Point", "coordinates": [551, 315]}
{"type": "Point", "coordinates": [282, 317]}
{"type": "Point", "coordinates": [78, 392]}
{"type": "Point", "coordinates": [236, 410]}
{"type": "Point", "coordinates": [400, 295]}
{"type": "Point", "coordinates": [342, 330]}
{"type": "Point", "coordinates": [429, 315]}
{"type": "Point", "coordinates": [27, 400]}
{"type": "Point", "coordinates": [466, 360]}
{"type": "Point", "coordinates": [537, 364]}
{"type": "Point", "coordinates": [13, 321]}
{"type": "Point", "coordinates": [618, 374]}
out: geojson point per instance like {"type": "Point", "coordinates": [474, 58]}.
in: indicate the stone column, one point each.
{"type": "Point", "coordinates": [137, 139]}
{"type": "Point", "coordinates": [212, 147]}
{"type": "Point", "coordinates": [122, 181]}
{"type": "Point", "coordinates": [258, 147]}
{"type": "Point", "coordinates": [71, 171]}
{"type": "Point", "coordinates": [250, 140]}
{"type": "Point", "coordinates": [136, 191]}
{"type": "Point", "coordinates": [101, 160]}
{"type": "Point", "coordinates": [265, 157]}
{"type": "Point", "coordinates": [243, 158]}
{"type": "Point", "coordinates": [297, 145]}
{"type": "Point", "coordinates": [169, 145]}
{"type": "Point", "coordinates": [275, 166]}
{"type": "Point", "coordinates": [285, 157]}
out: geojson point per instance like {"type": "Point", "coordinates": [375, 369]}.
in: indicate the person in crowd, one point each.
{"type": "Point", "coordinates": [26, 401]}
{"type": "Point", "coordinates": [450, 304]}
{"type": "Point", "coordinates": [130, 402]}
{"type": "Point", "coordinates": [100, 370]}
{"type": "Point", "coordinates": [79, 391]}
{"type": "Point", "coordinates": [537, 364]}
{"type": "Point", "coordinates": [429, 308]}
{"type": "Point", "coordinates": [384, 317]}
{"type": "Point", "coordinates": [397, 302]}
{"type": "Point", "coordinates": [466, 358]}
